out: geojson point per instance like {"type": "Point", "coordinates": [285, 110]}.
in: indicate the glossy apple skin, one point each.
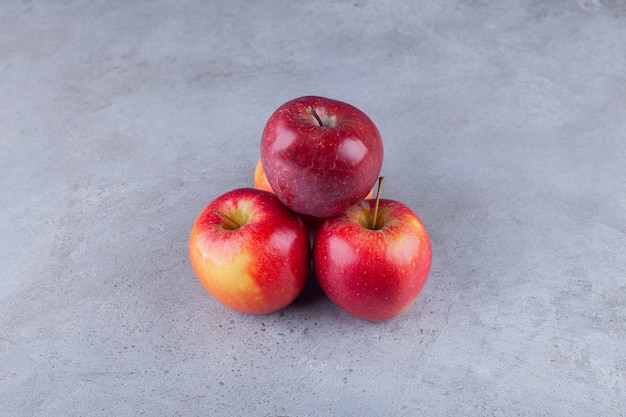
{"type": "Point", "coordinates": [318, 170]}
{"type": "Point", "coordinates": [373, 274]}
{"type": "Point", "coordinates": [258, 268]}
{"type": "Point", "coordinates": [261, 183]}
{"type": "Point", "coordinates": [312, 223]}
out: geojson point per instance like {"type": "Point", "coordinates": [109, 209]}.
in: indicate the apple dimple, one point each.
{"type": "Point", "coordinates": [233, 219]}
{"type": "Point", "coordinates": [329, 121]}
{"type": "Point", "coordinates": [363, 214]}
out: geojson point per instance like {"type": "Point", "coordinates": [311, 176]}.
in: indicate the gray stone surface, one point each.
{"type": "Point", "coordinates": [505, 130]}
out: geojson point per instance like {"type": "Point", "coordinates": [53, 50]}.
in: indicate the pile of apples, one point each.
{"type": "Point", "coordinates": [252, 248]}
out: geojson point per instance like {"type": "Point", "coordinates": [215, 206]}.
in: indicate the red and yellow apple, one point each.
{"type": "Point", "coordinates": [373, 271]}
{"type": "Point", "coordinates": [320, 156]}
{"type": "Point", "coordinates": [250, 252]}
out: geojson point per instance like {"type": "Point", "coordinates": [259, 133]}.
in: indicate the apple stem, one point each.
{"type": "Point", "coordinates": [380, 186]}
{"type": "Point", "coordinates": [230, 222]}
{"type": "Point", "coordinates": [312, 111]}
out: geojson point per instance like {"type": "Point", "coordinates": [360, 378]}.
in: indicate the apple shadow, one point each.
{"type": "Point", "coordinates": [311, 293]}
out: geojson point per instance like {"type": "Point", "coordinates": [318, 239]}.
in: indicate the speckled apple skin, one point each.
{"type": "Point", "coordinates": [373, 274]}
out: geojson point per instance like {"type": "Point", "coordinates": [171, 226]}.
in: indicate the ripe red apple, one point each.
{"type": "Point", "coordinates": [320, 156]}
{"type": "Point", "coordinates": [260, 180]}
{"type": "Point", "coordinates": [250, 252]}
{"type": "Point", "coordinates": [312, 223]}
{"type": "Point", "coordinates": [374, 272]}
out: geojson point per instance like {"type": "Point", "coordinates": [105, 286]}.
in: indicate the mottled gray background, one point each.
{"type": "Point", "coordinates": [504, 125]}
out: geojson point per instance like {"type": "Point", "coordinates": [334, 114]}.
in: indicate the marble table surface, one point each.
{"type": "Point", "coordinates": [504, 126]}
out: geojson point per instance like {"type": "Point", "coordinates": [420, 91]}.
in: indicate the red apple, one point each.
{"type": "Point", "coordinates": [320, 156]}
{"type": "Point", "coordinates": [260, 183]}
{"type": "Point", "coordinates": [250, 252]}
{"type": "Point", "coordinates": [373, 272]}
{"type": "Point", "coordinates": [260, 180]}
{"type": "Point", "coordinates": [312, 223]}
